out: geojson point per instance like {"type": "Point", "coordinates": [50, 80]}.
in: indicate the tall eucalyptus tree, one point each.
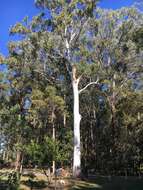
{"type": "Point", "coordinates": [69, 25]}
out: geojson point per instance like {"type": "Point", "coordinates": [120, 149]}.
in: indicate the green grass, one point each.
{"type": "Point", "coordinates": [101, 182]}
{"type": "Point", "coordinates": [85, 185]}
{"type": "Point", "coordinates": [115, 183]}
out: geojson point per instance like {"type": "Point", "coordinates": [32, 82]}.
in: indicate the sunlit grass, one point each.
{"type": "Point", "coordinates": [40, 181]}
{"type": "Point", "coordinates": [85, 185]}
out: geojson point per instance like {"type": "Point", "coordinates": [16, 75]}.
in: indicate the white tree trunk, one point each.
{"type": "Point", "coordinates": [54, 138]}
{"type": "Point", "coordinates": [77, 118]}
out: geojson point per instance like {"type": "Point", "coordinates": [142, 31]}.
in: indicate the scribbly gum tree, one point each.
{"type": "Point", "coordinates": [70, 26]}
{"type": "Point", "coordinates": [77, 118]}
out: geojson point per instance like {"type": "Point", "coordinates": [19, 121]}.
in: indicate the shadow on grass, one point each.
{"type": "Point", "coordinates": [105, 183]}
{"type": "Point", "coordinates": [117, 183]}
{"type": "Point", "coordinates": [3, 184]}
{"type": "Point", "coordinates": [29, 175]}
{"type": "Point", "coordinates": [34, 184]}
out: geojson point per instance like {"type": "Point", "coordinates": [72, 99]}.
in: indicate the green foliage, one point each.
{"type": "Point", "coordinates": [49, 150]}
{"type": "Point", "coordinates": [137, 37]}
{"type": "Point", "coordinates": [19, 29]}
{"type": "Point", "coordinates": [13, 181]}
{"type": "Point", "coordinates": [101, 44]}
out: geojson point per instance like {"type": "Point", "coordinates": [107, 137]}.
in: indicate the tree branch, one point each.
{"type": "Point", "coordinates": [44, 75]}
{"type": "Point", "coordinates": [91, 83]}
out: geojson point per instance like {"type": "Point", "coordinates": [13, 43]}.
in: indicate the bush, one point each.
{"type": "Point", "coordinates": [13, 181]}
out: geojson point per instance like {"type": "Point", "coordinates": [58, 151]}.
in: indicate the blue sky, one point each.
{"type": "Point", "coordinates": [115, 4]}
{"type": "Point", "coordinates": [12, 11]}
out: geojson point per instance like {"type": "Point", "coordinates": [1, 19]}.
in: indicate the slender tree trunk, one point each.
{"type": "Point", "coordinates": [113, 119]}
{"type": "Point", "coordinates": [21, 164]}
{"type": "Point", "coordinates": [4, 155]}
{"type": "Point", "coordinates": [113, 108]}
{"type": "Point", "coordinates": [7, 155]}
{"type": "Point", "coordinates": [54, 137]}
{"type": "Point", "coordinates": [77, 118]}
{"type": "Point", "coordinates": [64, 116]}
{"type": "Point", "coordinates": [18, 161]}
{"type": "Point", "coordinates": [64, 120]}
{"type": "Point", "coordinates": [53, 163]}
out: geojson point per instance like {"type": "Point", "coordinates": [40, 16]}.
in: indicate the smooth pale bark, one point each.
{"type": "Point", "coordinates": [77, 118]}
{"type": "Point", "coordinates": [54, 137]}
{"type": "Point", "coordinates": [76, 114]}
{"type": "Point", "coordinates": [4, 155]}
{"type": "Point", "coordinates": [53, 164]}
{"type": "Point", "coordinates": [64, 114]}
{"type": "Point", "coordinates": [64, 120]}
{"type": "Point", "coordinates": [18, 161]}
{"type": "Point", "coordinates": [21, 166]}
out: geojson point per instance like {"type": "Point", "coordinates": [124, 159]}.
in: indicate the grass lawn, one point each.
{"type": "Point", "coordinates": [103, 183]}
{"type": "Point", "coordinates": [114, 183]}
